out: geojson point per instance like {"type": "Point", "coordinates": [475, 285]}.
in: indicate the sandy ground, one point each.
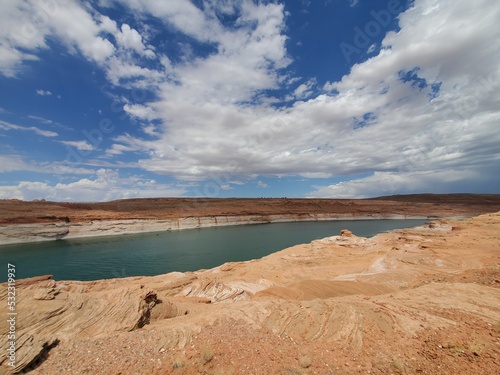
{"type": "Point", "coordinates": [424, 300]}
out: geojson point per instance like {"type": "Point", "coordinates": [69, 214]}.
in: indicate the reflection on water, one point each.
{"type": "Point", "coordinates": [187, 250]}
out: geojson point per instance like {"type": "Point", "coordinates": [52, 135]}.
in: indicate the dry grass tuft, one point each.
{"type": "Point", "coordinates": [207, 355]}
{"type": "Point", "coordinates": [178, 362]}
{"type": "Point", "coordinates": [305, 361]}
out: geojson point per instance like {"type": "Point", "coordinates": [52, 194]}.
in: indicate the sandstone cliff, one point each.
{"type": "Point", "coordinates": [22, 233]}
{"type": "Point", "coordinates": [40, 221]}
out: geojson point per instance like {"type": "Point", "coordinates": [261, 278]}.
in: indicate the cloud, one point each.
{"type": "Point", "coordinates": [10, 163]}
{"type": "Point", "coordinates": [15, 41]}
{"type": "Point", "coordinates": [13, 162]}
{"type": "Point", "coordinates": [45, 133]}
{"type": "Point", "coordinates": [427, 102]}
{"type": "Point", "coordinates": [83, 35]}
{"type": "Point", "coordinates": [262, 184]}
{"type": "Point", "coordinates": [130, 39]}
{"type": "Point", "coordinates": [43, 93]}
{"type": "Point", "coordinates": [105, 185]}
{"type": "Point", "coordinates": [26, 26]}
{"type": "Point", "coordinates": [304, 90]}
{"type": "Point", "coordinates": [141, 111]}
{"type": "Point", "coordinates": [182, 15]}
{"type": "Point", "coordinates": [42, 120]}
{"type": "Point", "coordinates": [421, 111]}
{"type": "Point", "coordinates": [79, 145]}
{"type": "Point", "coordinates": [390, 183]}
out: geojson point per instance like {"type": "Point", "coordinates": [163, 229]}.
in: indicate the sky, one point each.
{"type": "Point", "coordinates": [112, 99]}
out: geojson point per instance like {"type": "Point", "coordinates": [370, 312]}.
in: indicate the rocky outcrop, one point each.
{"type": "Point", "coordinates": [403, 301]}
{"type": "Point", "coordinates": [345, 233]}
{"type": "Point", "coordinates": [19, 233]}
{"type": "Point", "coordinates": [51, 312]}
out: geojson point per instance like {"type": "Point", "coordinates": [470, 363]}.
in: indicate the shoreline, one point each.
{"type": "Point", "coordinates": [13, 234]}
{"type": "Point", "coordinates": [27, 222]}
{"type": "Point", "coordinates": [399, 284]}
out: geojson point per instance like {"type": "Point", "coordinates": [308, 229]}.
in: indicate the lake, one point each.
{"type": "Point", "coordinates": [157, 253]}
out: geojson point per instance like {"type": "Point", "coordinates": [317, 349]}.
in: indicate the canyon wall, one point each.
{"type": "Point", "coordinates": [34, 232]}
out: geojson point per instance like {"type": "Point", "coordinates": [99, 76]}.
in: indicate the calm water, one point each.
{"type": "Point", "coordinates": [187, 250]}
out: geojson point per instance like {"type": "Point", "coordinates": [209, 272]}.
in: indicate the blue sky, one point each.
{"type": "Point", "coordinates": [110, 99]}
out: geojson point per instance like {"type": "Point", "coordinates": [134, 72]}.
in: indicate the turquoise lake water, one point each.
{"type": "Point", "coordinates": [161, 252]}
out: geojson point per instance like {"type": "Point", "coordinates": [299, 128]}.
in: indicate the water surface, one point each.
{"type": "Point", "coordinates": [187, 250]}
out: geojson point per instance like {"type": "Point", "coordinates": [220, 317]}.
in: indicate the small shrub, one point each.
{"type": "Point", "coordinates": [178, 363]}
{"type": "Point", "coordinates": [207, 355]}
{"type": "Point", "coordinates": [305, 361]}
{"type": "Point", "coordinates": [476, 347]}
{"type": "Point", "coordinates": [398, 364]}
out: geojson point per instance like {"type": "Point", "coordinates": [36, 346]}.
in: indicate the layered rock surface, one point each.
{"type": "Point", "coordinates": [40, 221]}
{"type": "Point", "coordinates": [420, 300]}
{"type": "Point", "coordinates": [23, 233]}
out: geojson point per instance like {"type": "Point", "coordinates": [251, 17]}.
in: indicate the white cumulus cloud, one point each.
{"type": "Point", "coordinates": [420, 113]}
{"type": "Point", "coordinates": [375, 120]}
{"type": "Point", "coordinates": [104, 185]}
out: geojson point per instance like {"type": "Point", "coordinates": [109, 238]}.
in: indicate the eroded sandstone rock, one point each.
{"type": "Point", "coordinates": [423, 296]}
{"type": "Point", "coordinates": [345, 233]}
